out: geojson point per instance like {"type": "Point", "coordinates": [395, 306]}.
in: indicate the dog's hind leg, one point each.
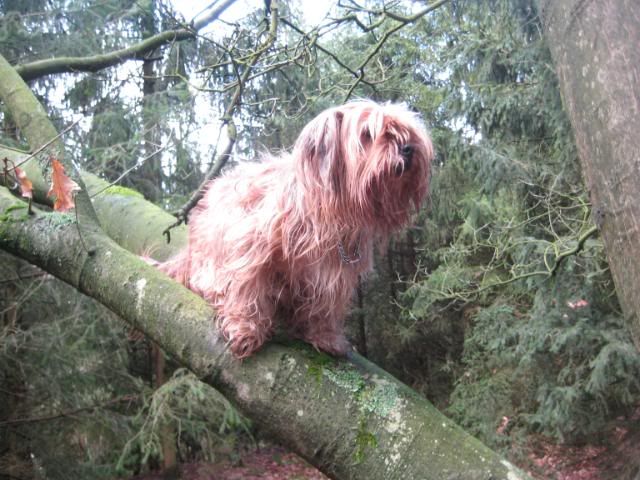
{"type": "Point", "coordinates": [246, 311]}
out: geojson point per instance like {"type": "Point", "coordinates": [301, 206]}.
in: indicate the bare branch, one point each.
{"type": "Point", "coordinates": [404, 21]}
{"type": "Point", "coordinates": [227, 118]}
{"type": "Point", "coordinates": [314, 42]}
{"type": "Point", "coordinates": [94, 63]}
{"type": "Point", "coordinates": [70, 413]}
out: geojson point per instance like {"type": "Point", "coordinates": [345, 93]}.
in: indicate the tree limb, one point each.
{"type": "Point", "coordinates": [94, 63]}
{"type": "Point", "coordinates": [351, 420]}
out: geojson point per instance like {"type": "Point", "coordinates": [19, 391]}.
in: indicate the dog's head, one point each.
{"type": "Point", "coordinates": [364, 164]}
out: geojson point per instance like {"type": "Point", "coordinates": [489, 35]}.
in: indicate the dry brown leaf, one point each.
{"type": "Point", "coordinates": [26, 187]}
{"type": "Point", "coordinates": [62, 187]}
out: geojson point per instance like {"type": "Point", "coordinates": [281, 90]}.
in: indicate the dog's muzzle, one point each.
{"type": "Point", "coordinates": [406, 151]}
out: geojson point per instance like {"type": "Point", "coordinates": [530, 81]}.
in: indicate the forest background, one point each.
{"type": "Point", "coordinates": [498, 305]}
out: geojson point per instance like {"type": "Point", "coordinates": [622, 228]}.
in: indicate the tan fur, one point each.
{"type": "Point", "coordinates": [279, 235]}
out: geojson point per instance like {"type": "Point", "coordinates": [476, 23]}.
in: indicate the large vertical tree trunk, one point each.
{"type": "Point", "coordinates": [596, 49]}
{"type": "Point", "coordinates": [148, 177]}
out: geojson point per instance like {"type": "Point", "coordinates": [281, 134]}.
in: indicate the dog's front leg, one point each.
{"type": "Point", "coordinates": [320, 322]}
{"type": "Point", "coordinates": [246, 315]}
{"type": "Point", "coordinates": [328, 339]}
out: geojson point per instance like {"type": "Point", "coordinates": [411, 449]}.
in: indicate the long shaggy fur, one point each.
{"type": "Point", "coordinates": [292, 234]}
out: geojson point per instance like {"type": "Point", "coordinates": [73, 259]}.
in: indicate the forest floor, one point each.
{"type": "Point", "coordinates": [547, 462]}
{"type": "Point", "coordinates": [268, 463]}
{"type": "Point", "coordinates": [614, 455]}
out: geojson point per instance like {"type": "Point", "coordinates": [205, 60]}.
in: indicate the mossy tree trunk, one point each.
{"type": "Point", "coordinates": [595, 49]}
{"type": "Point", "coordinates": [350, 419]}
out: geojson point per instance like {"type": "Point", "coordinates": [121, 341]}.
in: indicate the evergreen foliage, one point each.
{"type": "Point", "coordinates": [498, 304]}
{"type": "Point", "coordinates": [508, 246]}
{"type": "Point", "coordinates": [75, 391]}
{"type": "Point", "coordinates": [204, 421]}
{"type": "Point", "coordinates": [79, 412]}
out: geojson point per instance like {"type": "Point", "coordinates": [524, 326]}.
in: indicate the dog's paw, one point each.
{"type": "Point", "coordinates": [243, 337]}
{"type": "Point", "coordinates": [243, 346]}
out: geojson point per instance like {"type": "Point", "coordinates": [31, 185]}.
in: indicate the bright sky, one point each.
{"type": "Point", "coordinates": [314, 10]}
{"type": "Point", "coordinates": [207, 136]}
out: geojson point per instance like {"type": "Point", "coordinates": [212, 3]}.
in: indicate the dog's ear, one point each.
{"type": "Point", "coordinates": [318, 152]}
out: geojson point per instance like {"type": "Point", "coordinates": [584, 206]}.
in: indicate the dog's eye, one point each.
{"type": "Point", "coordinates": [406, 151]}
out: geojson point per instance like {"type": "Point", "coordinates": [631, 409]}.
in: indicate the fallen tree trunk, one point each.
{"type": "Point", "coordinates": [350, 419]}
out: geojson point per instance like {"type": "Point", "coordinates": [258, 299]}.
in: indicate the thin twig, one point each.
{"type": "Point", "coordinates": [129, 170]}
{"type": "Point", "coordinates": [404, 21]}
{"type": "Point", "coordinates": [69, 413]}
{"type": "Point", "coordinates": [40, 149]}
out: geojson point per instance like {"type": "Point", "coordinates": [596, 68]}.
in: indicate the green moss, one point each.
{"type": "Point", "coordinates": [16, 206]}
{"type": "Point", "coordinates": [364, 439]}
{"type": "Point", "coordinates": [379, 400]}
{"type": "Point", "coordinates": [318, 361]}
{"type": "Point", "coordinates": [348, 378]}
{"type": "Point", "coordinates": [371, 396]}
{"type": "Point", "coordinates": [315, 372]}
{"type": "Point", "coordinates": [58, 220]}
{"type": "Point", "coordinates": [377, 397]}
{"type": "Point", "coordinates": [118, 190]}
{"type": "Point", "coordinates": [8, 216]}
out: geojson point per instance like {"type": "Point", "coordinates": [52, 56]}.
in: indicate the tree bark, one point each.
{"type": "Point", "coordinates": [147, 178]}
{"type": "Point", "coordinates": [595, 49]}
{"type": "Point", "coordinates": [33, 123]}
{"type": "Point", "coordinates": [350, 419]}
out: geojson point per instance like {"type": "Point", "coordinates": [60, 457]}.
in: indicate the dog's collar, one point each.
{"type": "Point", "coordinates": [345, 257]}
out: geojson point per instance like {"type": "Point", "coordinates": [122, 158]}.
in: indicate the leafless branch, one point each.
{"type": "Point", "coordinates": [69, 413]}
{"type": "Point", "coordinates": [227, 118]}
{"type": "Point", "coordinates": [403, 21]}
{"type": "Point", "coordinates": [94, 63]}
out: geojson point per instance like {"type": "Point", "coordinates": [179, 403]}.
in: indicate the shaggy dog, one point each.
{"type": "Point", "coordinates": [292, 234]}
